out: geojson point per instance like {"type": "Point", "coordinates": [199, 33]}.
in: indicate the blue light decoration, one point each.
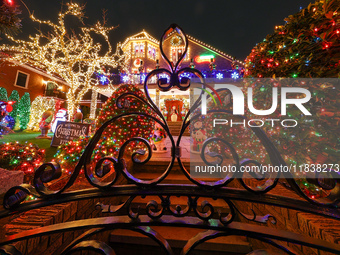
{"type": "Point", "coordinates": [235, 75]}
{"type": "Point", "coordinates": [10, 121]}
{"type": "Point", "coordinates": [125, 78]}
{"type": "Point", "coordinates": [103, 79]}
{"type": "Point", "coordinates": [187, 75]}
{"type": "Point", "coordinates": [163, 75]}
{"type": "Point", "coordinates": [219, 76]}
{"type": "Point", "coordinates": [142, 78]}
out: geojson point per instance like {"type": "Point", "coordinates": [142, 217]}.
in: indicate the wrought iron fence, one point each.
{"type": "Point", "coordinates": [165, 213]}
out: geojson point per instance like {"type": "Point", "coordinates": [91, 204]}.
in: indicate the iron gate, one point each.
{"type": "Point", "coordinates": [194, 215]}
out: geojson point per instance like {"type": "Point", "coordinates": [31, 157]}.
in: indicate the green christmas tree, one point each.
{"type": "Point", "coordinates": [243, 139]}
{"type": "Point", "coordinates": [307, 46]}
{"type": "Point", "coordinates": [14, 97]}
{"type": "Point", "coordinates": [3, 94]}
{"type": "Point", "coordinates": [115, 134]}
{"type": "Point", "coordinates": [24, 108]}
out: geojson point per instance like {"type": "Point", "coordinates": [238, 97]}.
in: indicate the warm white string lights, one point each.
{"type": "Point", "coordinates": [76, 58]}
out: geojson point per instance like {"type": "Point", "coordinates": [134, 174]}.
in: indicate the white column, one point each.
{"type": "Point", "coordinates": [93, 104]}
{"type": "Point", "coordinates": [158, 98]}
{"type": "Point", "coordinates": [191, 97]}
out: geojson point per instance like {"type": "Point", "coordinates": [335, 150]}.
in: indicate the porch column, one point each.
{"type": "Point", "coordinates": [157, 98]}
{"type": "Point", "coordinates": [191, 97]}
{"type": "Point", "coordinates": [93, 104]}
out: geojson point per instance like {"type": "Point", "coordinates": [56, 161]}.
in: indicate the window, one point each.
{"type": "Point", "coordinates": [139, 50]}
{"type": "Point", "coordinates": [152, 53]}
{"type": "Point", "coordinates": [21, 79]}
{"type": "Point", "coordinates": [177, 52]}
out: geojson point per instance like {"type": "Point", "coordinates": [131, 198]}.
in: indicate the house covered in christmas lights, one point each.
{"type": "Point", "coordinates": [143, 55]}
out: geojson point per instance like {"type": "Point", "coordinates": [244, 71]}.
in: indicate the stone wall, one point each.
{"type": "Point", "coordinates": [54, 214]}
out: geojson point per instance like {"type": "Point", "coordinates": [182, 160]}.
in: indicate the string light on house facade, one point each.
{"type": "Point", "coordinates": [74, 58]}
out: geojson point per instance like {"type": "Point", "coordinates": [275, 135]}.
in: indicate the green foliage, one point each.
{"type": "Point", "coordinates": [14, 97]}
{"type": "Point", "coordinates": [306, 46]}
{"type": "Point", "coordinates": [3, 94]}
{"type": "Point", "coordinates": [24, 110]}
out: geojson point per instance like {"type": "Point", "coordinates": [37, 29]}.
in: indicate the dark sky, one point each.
{"type": "Point", "coordinates": [231, 26]}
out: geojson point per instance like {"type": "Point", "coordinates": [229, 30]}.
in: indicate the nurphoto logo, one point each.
{"type": "Point", "coordinates": [239, 102]}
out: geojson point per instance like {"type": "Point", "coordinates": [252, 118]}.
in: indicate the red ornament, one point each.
{"type": "Point", "coordinates": [9, 108]}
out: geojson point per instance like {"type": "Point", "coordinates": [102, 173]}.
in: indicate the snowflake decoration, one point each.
{"type": "Point", "coordinates": [125, 78]}
{"type": "Point", "coordinates": [219, 76]}
{"type": "Point", "coordinates": [235, 75]}
{"type": "Point", "coordinates": [103, 80]}
{"type": "Point", "coordinates": [142, 78]}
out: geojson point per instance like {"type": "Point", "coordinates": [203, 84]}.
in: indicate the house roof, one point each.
{"type": "Point", "coordinates": [207, 46]}
{"type": "Point", "coordinates": [6, 56]}
{"type": "Point", "coordinates": [146, 36]}
{"type": "Point", "coordinates": [140, 36]}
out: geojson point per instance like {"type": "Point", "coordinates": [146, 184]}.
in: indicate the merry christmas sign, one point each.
{"type": "Point", "coordinates": [68, 131]}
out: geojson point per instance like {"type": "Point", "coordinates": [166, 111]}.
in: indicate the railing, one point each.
{"type": "Point", "coordinates": [165, 213]}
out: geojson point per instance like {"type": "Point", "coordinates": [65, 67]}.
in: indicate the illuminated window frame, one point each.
{"type": "Point", "coordinates": [187, 56]}
{"type": "Point", "coordinates": [139, 54]}
{"type": "Point", "coordinates": [151, 56]}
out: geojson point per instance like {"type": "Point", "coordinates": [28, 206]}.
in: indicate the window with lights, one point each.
{"type": "Point", "coordinates": [139, 50]}
{"type": "Point", "coordinates": [152, 52]}
{"type": "Point", "coordinates": [177, 52]}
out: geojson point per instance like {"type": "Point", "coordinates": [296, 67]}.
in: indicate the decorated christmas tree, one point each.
{"type": "Point", "coordinates": [243, 139]}
{"type": "Point", "coordinates": [135, 126]}
{"type": "Point", "coordinates": [115, 134]}
{"type": "Point", "coordinates": [24, 110]}
{"type": "Point", "coordinates": [3, 95]}
{"type": "Point", "coordinates": [307, 46]}
{"type": "Point", "coordinates": [15, 98]}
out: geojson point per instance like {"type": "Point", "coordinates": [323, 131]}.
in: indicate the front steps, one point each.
{"type": "Point", "coordinates": [175, 128]}
{"type": "Point", "coordinates": [128, 242]}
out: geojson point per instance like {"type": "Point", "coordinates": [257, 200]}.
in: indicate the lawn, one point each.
{"type": "Point", "coordinates": [30, 137]}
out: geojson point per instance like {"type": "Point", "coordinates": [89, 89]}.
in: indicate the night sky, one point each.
{"type": "Point", "coordinates": [231, 26]}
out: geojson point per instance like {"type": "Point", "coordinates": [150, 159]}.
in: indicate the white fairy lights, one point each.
{"type": "Point", "coordinates": [73, 57]}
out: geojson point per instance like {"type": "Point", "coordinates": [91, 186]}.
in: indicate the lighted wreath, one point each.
{"type": "Point", "coordinates": [176, 40]}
